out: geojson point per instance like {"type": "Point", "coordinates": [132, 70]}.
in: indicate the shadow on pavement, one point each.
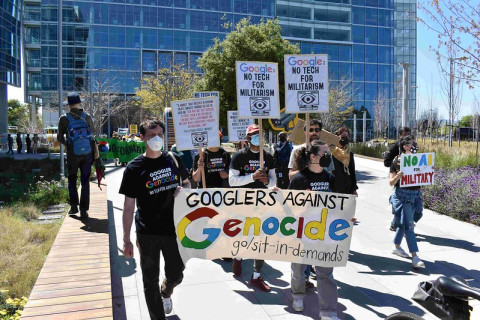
{"type": "Point", "coordinates": [93, 224]}
{"type": "Point", "coordinates": [364, 176]}
{"type": "Point", "coordinates": [383, 266]}
{"type": "Point", "coordinates": [365, 297]}
{"type": "Point", "coordinates": [446, 242]}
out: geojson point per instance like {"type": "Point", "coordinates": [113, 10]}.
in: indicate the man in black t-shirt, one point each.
{"type": "Point", "coordinates": [153, 179]}
{"type": "Point", "coordinates": [245, 172]}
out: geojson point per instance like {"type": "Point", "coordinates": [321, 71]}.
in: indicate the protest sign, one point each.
{"type": "Point", "coordinates": [257, 90]}
{"type": "Point", "coordinates": [306, 83]}
{"type": "Point", "coordinates": [417, 169]}
{"type": "Point", "coordinates": [125, 151]}
{"type": "Point", "coordinates": [329, 138]}
{"type": "Point", "coordinates": [203, 94]}
{"type": "Point", "coordinates": [308, 227]}
{"type": "Point", "coordinates": [196, 123]}
{"type": "Point", "coordinates": [237, 128]}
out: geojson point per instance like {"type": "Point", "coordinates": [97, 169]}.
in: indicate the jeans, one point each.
{"type": "Point", "coordinates": [84, 163]}
{"type": "Point", "coordinates": [10, 149]}
{"type": "Point", "coordinates": [150, 247]}
{"type": "Point", "coordinates": [408, 207]}
{"type": "Point", "coordinates": [326, 287]}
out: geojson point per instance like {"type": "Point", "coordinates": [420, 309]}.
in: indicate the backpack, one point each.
{"type": "Point", "coordinates": [78, 134]}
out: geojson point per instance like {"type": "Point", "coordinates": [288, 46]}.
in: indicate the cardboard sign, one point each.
{"type": "Point", "coordinates": [203, 94]}
{"type": "Point", "coordinates": [257, 90]}
{"type": "Point", "coordinates": [196, 123]}
{"type": "Point", "coordinates": [306, 83]}
{"type": "Point", "coordinates": [329, 138]}
{"type": "Point", "coordinates": [307, 227]}
{"type": "Point", "coordinates": [417, 169]}
{"type": "Point", "coordinates": [237, 128]}
{"type": "Point", "coordinates": [133, 128]}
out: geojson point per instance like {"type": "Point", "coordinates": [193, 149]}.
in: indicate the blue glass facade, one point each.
{"type": "Point", "coordinates": [10, 39]}
{"type": "Point", "coordinates": [128, 38]}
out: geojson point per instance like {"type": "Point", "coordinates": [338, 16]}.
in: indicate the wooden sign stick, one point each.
{"type": "Point", "coordinates": [260, 126]}
{"type": "Point", "coordinates": [307, 129]}
{"type": "Point", "coordinates": [202, 170]}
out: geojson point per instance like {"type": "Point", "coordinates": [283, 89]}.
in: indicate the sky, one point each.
{"type": "Point", "coordinates": [427, 76]}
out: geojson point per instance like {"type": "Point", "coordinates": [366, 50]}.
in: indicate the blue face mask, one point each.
{"type": "Point", "coordinates": [255, 140]}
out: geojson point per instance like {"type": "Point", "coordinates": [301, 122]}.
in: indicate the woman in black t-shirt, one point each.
{"type": "Point", "coordinates": [216, 162]}
{"type": "Point", "coordinates": [314, 178]}
{"type": "Point", "coordinates": [407, 204]}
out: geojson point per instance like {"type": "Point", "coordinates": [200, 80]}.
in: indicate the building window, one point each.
{"type": "Point", "coordinates": [149, 61]}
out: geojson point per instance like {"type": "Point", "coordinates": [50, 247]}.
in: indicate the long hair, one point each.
{"type": "Point", "coordinates": [404, 141]}
{"type": "Point", "coordinates": [302, 156]}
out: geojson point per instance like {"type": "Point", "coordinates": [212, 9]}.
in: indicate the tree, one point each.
{"type": "Point", "coordinates": [157, 91]}
{"type": "Point", "coordinates": [457, 25]}
{"type": "Point", "coordinates": [381, 115]}
{"type": "Point", "coordinates": [466, 121]}
{"type": "Point", "coordinates": [340, 105]}
{"type": "Point", "coordinates": [261, 42]}
{"type": "Point", "coordinates": [16, 112]}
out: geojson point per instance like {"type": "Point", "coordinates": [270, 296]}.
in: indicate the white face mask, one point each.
{"type": "Point", "coordinates": [156, 143]}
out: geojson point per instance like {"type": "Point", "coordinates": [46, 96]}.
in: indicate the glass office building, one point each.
{"type": "Point", "coordinates": [10, 40]}
{"type": "Point", "coordinates": [121, 40]}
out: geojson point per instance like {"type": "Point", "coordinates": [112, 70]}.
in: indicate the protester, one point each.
{"type": "Point", "coordinates": [19, 143]}
{"type": "Point", "coordinates": [187, 159]}
{"type": "Point", "coordinates": [10, 143]}
{"type": "Point", "coordinates": [35, 140]}
{"type": "Point", "coordinates": [344, 164]}
{"type": "Point", "coordinates": [393, 151]}
{"type": "Point", "coordinates": [313, 134]}
{"type": "Point", "coordinates": [245, 172]}
{"type": "Point", "coordinates": [407, 204]}
{"type": "Point", "coordinates": [81, 151]}
{"type": "Point", "coordinates": [314, 178]}
{"type": "Point", "coordinates": [153, 179]}
{"type": "Point", "coordinates": [283, 149]}
{"type": "Point", "coordinates": [28, 142]}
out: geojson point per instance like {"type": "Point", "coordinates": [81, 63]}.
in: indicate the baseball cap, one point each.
{"type": "Point", "coordinates": [73, 98]}
{"type": "Point", "coordinates": [253, 128]}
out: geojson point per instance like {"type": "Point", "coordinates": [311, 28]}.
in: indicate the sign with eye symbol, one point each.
{"type": "Point", "coordinates": [196, 123]}
{"type": "Point", "coordinates": [306, 83]}
{"type": "Point", "coordinates": [257, 90]}
{"type": "Point", "coordinates": [237, 128]}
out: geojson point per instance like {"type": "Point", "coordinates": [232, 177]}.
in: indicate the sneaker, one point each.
{"type": "Point", "coordinates": [393, 227]}
{"type": "Point", "coordinates": [260, 283]}
{"type": "Point", "coordinates": [400, 252]}
{"type": "Point", "coordinates": [83, 214]}
{"type": "Point", "coordinates": [297, 305]}
{"type": "Point", "coordinates": [167, 305]}
{"type": "Point", "coordinates": [237, 267]}
{"type": "Point", "coordinates": [417, 263]}
{"type": "Point", "coordinates": [73, 211]}
{"type": "Point", "coordinates": [329, 318]}
{"type": "Point", "coordinates": [309, 285]}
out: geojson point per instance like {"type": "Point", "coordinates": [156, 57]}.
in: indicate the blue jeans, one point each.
{"type": "Point", "coordinates": [408, 207]}
{"type": "Point", "coordinates": [84, 163]}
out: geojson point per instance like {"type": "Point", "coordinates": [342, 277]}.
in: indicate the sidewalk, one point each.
{"type": "Point", "coordinates": [373, 285]}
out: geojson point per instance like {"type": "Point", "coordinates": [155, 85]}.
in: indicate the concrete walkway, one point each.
{"type": "Point", "coordinates": [373, 285]}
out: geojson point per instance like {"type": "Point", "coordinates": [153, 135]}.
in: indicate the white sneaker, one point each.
{"type": "Point", "coordinates": [297, 305]}
{"type": "Point", "coordinates": [400, 252]}
{"type": "Point", "coordinates": [329, 318]}
{"type": "Point", "coordinates": [417, 263]}
{"type": "Point", "coordinates": [167, 305]}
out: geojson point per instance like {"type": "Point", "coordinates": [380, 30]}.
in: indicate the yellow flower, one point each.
{"type": "Point", "coordinates": [3, 312]}
{"type": "Point", "coordinates": [19, 312]}
{"type": "Point", "coordinates": [9, 301]}
{"type": "Point", "coordinates": [25, 299]}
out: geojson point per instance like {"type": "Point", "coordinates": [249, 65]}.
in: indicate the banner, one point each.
{"type": "Point", "coordinates": [125, 151]}
{"type": "Point", "coordinates": [196, 123]}
{"type": "Point", "coordinates": [237, 128]}
{"type": "Point", "coordinates": [417, 169]}
{"type": "Point", "coordinates": [203, 94]}
{"type": "Point", "coordinates": [306, 83]}
{"type": "Point", "coordinates": [257, 90]}
{"type": "Point", "coordinates": [286, 225]}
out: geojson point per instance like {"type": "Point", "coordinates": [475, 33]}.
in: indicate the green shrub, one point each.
{"type": "Point", "coordinates": [375, 151]}
{"type": "Point", "coordinates": [47, 193]}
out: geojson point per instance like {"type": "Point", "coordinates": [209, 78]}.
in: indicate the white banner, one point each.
{"type": "Point", "coordinates": [286, 225]}
{"type": "Point", "coordinates": [203, 94]}
{"type": "Point", "coordinates": [306, 83]}
{"type": "Point", "coordinates": [196, 123]}
{"type": "Point", "coordinates": [417, 169]}
{"type": "Point", "coordinates": [257, 90]}
{"type": "Point", "coordinates": [237, 128]}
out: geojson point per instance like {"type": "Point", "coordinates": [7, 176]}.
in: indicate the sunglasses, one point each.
{"type": "Point", "coordinates": [315, 129]}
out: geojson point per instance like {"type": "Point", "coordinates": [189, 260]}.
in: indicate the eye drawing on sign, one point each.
{"type": "Point", "coordinates": [241, 134]}
{"type": "Point", "coordinates": [308, 100]}
{"type": "Point", "coordinates": [199, 139]}
{"type": "Point", "coordinates": [260, 105]}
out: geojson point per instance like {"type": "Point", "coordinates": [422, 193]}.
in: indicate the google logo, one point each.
{"type": "Point", "coordinates": [288, 226]}
{"type": "Point", "coordinates": [244, 67]}
{"type": "Point", "coordinates": [305, 62]}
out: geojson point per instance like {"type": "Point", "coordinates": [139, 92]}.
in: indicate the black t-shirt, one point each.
{"type": "Point", "coordinates": [215, 162]}
{"type": "Point", "coordinates": [395, 167]}
{"type": "Point", "coordinates": [247, 162]}
{"type": "Point", "coordinates": [153, 182]}
{"type": "Point", "coordinates": [311, 181]}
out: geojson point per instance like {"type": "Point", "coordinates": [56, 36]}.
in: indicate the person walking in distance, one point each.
{"type": "Point", "coordinates": [152, 180]}
{"type": "Point", "coordinates": [19, 143]}
{"type": "Point", "coordinates": [10, 143]}
{"type": "Point", "coordinates": [283, 149]}
{"type": "Point", "coordinates": [74, 131]}
{"type": "Point", "coordinates": [28, 142]}
{"type": "Point", "coordinates": [245, 172]}
{"type": "Point", "coordinates": [35, 140]}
